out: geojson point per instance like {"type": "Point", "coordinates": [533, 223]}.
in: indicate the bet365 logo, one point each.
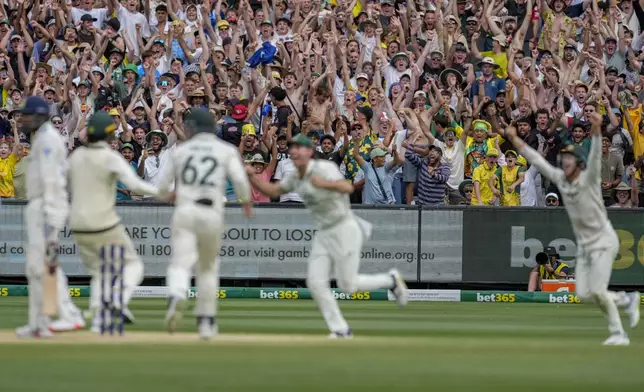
{"type": "Point", "coordinates": [523, 250]}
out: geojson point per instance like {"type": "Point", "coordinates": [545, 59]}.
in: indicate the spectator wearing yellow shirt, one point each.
{"type": "Point", "coordinates": [509, 177]}
{"type": "Point", "coordinates": [19, 177]}
{"type": "Point", "coordinates": [480, 179]}
{"type": "Point", "coordinates": [476, 146]}
{"type": "Point", "coordinates": [8, 158]}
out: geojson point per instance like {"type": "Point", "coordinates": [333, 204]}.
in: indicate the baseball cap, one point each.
{"type": "Point", "coordinates": [553, 195]}
{"type": "Point", "coordinates": [492, 152]}
{"type": "Point", "coordinates": [87, 17]}
{"type": "Point", "coordinates": [127, 145]}
{"type": "Point", "coordinates": [378, 152]}
{"type": "Point", "coordinates": [550, 250]}
{"type": "Point", "coordinates": [438, 149]}
{"type": "Point", "coordinates": [366, 111]}
{"type": "Point", "coordinates": [362, 75]}
{"type": "Point", "coordinates": [114, 112]}
{"type": "Point", "coordinates": [239, 111]}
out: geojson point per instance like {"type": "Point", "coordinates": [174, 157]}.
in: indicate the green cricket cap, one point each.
{"type": "Point", "coordinates": [301, 140]}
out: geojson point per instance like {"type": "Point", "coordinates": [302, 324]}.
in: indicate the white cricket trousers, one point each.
{"type": "Point", "coordinates": [196, 237]}
{"type": "Point", "coordinates": [35, 269]}
{"type": "Point", "coordinates": [592, 270]}
{"type": "Point", "coordinates": [91, 246]}
{"type": "Point", "coordinates": [337, 250]}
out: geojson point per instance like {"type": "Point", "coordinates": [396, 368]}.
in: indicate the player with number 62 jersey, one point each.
{"type": "Point", "coordinates": [200, 168]}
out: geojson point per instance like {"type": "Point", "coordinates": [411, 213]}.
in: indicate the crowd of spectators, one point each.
{"type": "Point", "coordinates": [409, 99]}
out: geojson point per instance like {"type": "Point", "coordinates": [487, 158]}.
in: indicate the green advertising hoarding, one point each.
{"type": "Point", "coordinates": [499, 245]}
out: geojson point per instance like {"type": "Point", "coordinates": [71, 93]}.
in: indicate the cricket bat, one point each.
{"type": "Point", "coordinates": [50, 283]}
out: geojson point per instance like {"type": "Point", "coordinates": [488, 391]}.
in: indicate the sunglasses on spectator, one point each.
{"type": "Point", "coordinates": [546, 56]}
{"type": "Point", "coordinates": [163, 83]}
{"type": "Point", "coordinates": [56, 122]}
{"type": "Point", "coordinates": [551, 201]}
{"type": "Point", "coordinates": [436, 59]}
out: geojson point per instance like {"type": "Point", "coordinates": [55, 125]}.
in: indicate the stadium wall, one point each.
{"type": "Point", "coordinates": [445, 246]}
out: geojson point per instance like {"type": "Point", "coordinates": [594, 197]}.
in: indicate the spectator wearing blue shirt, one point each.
{"type": "Point", "coordinates": [378, 175]}
{"type": "Point", "coordinates": [488, 81]}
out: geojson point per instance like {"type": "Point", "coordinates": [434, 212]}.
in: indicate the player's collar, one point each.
{"type": "Point", "coordinates": [98, 144]}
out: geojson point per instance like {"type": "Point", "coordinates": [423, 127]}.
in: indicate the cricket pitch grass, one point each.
{"type": "Point", "coordinates": [281, 346]}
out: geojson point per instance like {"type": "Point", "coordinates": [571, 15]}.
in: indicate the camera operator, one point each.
{"type": "Point", "coordinates": [548, 267]}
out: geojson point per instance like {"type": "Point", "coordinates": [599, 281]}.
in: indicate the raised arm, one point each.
{"type": "Point", "coordinates": [593, 169]}
{"type": "Point", "coordinates": [532, 155]}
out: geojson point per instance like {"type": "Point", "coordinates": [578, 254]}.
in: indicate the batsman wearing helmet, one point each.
{"type": "Point", "coordinates": [94, 170]}
{"type": "Point", "coordinates": [200, 168]}
{"type": "Point", "coordinates": [579, 181]}
{"type": "Point", "coordinates": [45, 216]}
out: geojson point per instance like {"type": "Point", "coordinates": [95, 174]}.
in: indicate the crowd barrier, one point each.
{"type": "Point", "coordinates": [450, 244]}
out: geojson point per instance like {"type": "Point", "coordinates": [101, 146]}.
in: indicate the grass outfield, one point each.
{"type": "Point", "coordinates": [426, 346]}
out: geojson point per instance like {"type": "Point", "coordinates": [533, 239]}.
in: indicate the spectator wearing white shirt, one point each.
{"type": "Point", "coordinates": [284, 167]}
{"type": "Point", "coordinates": [398, 66]}
{"type": "Point", "coordinates": [99, 14]}
{"type": "Point", "coordinates": [155, 157]}
{"type": "Point", "coordinates": [130, 18]}
{"type": "Point", "coordinates": [454, 157]}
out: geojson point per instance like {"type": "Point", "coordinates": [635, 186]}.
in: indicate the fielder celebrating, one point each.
{"type": "Point", "coordinates": [93, 173]}
{"type": "Point", "coordinates": [579, 182]}
{"type": "Point", "coordinates": [201, 167]}
{"type": "Point", "coordinates": [341, 234]}
{"type": "Point", "coordinates": [45, 216]}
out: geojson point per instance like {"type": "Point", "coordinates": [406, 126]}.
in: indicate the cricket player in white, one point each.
{"type": "Point", "coordinates": [45, 216]}
{"type": "Point", "coordinates": [338, 241]}
{"type": "Point", "coordinates": [200, 168]}
{"type": "Point", "coordinates": [93, 173]}
{"type": "Point", "coordinates": [579, 182]}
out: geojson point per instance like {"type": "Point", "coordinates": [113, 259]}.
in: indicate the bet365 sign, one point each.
{"type": "Point", "coordinates": [524, 250]}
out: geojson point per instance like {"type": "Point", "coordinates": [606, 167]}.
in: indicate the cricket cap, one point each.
{"type": "Point", "coordinates": [200, 120]}
{"type": "Point", "coordinates": [100, 127]}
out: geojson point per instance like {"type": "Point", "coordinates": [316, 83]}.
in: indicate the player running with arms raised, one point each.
{"type": "Point", "coordinates": [93, 173]}
{"type": "Point", "coordinates": [337, 243]}
{"type": "Point", "coordinates": [579, 182]}
{"type": "Point", "coordinates": [200, 167]}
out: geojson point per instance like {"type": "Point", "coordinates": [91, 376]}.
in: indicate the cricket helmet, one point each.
{"type": "Point", "coordinates": [35, 105]}
{"type": "Point", "coordinates": [100, 127]}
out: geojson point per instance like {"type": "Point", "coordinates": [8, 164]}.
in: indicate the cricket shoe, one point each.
{"type": "Point", "coordinates": [207, 327]}
{"type": "Point", "coordinates": [27, 332]}
{"type": "Point", "coordinates": [341, 335]}
{"type": "Point", "coordinates": [633, 309]}
{"type": "Point", "coordinates": [128, 317]}
{"type": "Point", "coordinates": [400, 288]}
{"type": "Point", "coordinates": [66, 325]}
{"type": "Point", "coordinates": [176, 307]}
{"type": "Point", "coordinates": [617, 339]}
